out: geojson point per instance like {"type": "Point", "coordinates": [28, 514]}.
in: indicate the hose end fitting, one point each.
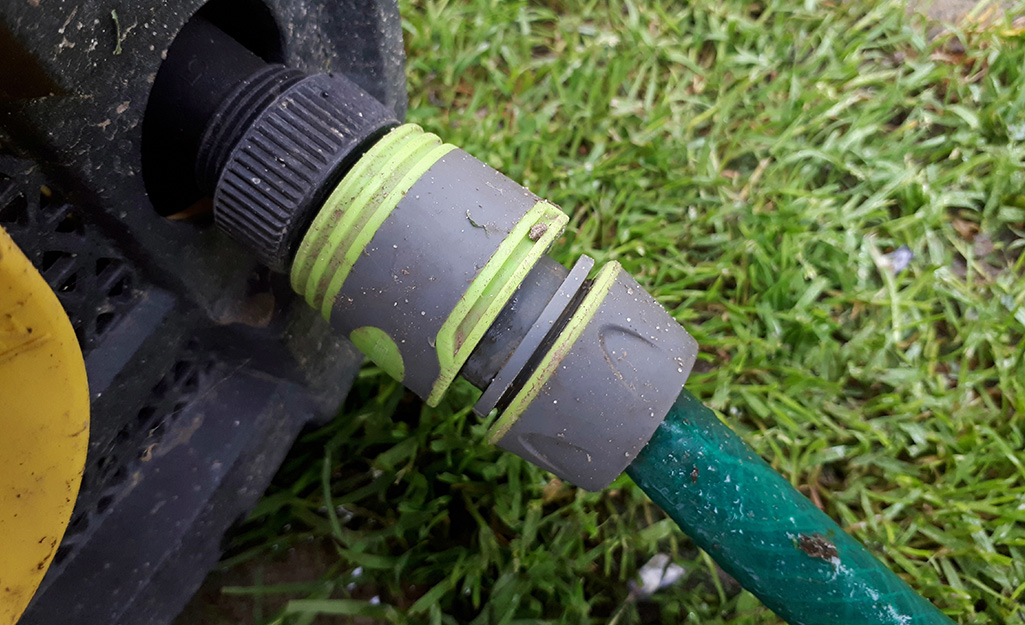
{"type": "Point", "coordinates": [434, 264]}
{"type": "Point", "coordinates": [602, 387]}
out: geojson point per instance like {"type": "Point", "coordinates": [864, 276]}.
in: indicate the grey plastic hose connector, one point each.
{"type": "Point", "coordinates": [434, 264]}
{"type": "Point", "coordinates": [604, 384]}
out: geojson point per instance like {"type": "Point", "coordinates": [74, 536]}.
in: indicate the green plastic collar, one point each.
{"type": "Point", "coordinates": [357, 207]}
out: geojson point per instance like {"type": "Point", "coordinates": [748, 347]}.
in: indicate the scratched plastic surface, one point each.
{"type": "Point", "coordinates": [763, 532]}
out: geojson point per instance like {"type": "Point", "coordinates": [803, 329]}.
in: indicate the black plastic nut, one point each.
{"type": "Point", "coordinates": [288, 160]}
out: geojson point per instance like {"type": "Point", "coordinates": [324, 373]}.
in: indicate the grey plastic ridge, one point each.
{"type": "Point", "coordinates": [550, 315]}
{"type": "Point", "coordinates": [609, 393]}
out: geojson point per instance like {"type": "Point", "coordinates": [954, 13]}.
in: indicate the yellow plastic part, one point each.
{"type": "Point", "coordinates": [44, 427]}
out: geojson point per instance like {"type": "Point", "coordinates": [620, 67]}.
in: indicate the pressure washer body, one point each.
{"type": "Point", "coordinates": [122, 128]}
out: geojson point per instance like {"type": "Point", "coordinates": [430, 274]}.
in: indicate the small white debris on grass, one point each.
{"type": "Point", "coordinates": [657, 573]}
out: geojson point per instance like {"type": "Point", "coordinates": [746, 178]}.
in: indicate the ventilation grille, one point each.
{"type": "Point", "coordinates": [138, 442]}
{"type": "Point", "coordinates": [94, 283]}
{"type": "Point", "coordinates": [97, 287]}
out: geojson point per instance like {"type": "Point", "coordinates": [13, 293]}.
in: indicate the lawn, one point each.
{"type": "Point", "coordinates": [830, 202]}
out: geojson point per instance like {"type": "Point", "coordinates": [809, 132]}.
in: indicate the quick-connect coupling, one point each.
{"type": "Point", "coordinates": [604, 381]}
{"type": "Point", "coordinates": [416, 252]}
{"type": "Point", "coordinates": [433, 264]}
{"type": "Point", "coordinates": [429, 261]}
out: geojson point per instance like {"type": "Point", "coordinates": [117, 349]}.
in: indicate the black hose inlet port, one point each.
{"type": "Point", "coordinates": [219, 70]}
{"type": "Point", "coordinates": [265, 141]}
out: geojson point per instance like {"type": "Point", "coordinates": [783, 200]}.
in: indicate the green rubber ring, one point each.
{"type": "Point", "coordinates": [357, 208]}
{"type": "Point", "coordinates": [345, 193]}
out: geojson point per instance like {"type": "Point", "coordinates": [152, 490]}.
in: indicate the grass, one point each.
{"type": "Point", "coordinates": [752, 163]}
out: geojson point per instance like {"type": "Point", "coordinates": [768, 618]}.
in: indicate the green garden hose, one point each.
{"type": "Point", "coordinates": [763, 532]}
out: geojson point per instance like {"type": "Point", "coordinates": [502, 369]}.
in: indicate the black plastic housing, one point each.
{"type": "Point", "coordinates": [202, 366]}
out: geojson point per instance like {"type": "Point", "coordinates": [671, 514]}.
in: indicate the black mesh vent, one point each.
{"type": "Point", "coordinates": [138, 441]}
{"type": "Point", "coordinates": [93, 281]}
{"type": "Point", "coordinates": [97, 287]}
